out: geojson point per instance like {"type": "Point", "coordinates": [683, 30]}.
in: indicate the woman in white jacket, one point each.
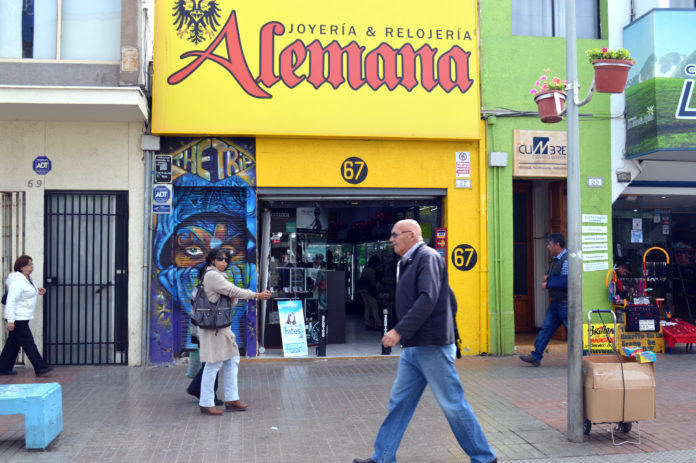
{"type": "Point", "coordinates": [19, 309]}
{"type": "Point", "coordinates": [219, 347]}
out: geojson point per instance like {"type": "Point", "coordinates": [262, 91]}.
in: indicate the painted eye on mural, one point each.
{"type": "Point", "coordinates": [193, 251]}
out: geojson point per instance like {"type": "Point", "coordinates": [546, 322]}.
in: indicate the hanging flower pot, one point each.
{"type": "Point", "coordinates": [611, 74]}
{"type": "Point", "coordinates": [550, 104]}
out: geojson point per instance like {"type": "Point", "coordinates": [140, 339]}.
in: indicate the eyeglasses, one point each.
{"type": "Point", "coordinates": [394, 234]}
{"type": "Point", "coordinates": [221, 258]}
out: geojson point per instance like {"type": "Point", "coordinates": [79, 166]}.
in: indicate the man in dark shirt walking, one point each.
{"type": "Point", "coordinates": [556, 283]}
{"type": "Point", "coordinates": [425, 328]}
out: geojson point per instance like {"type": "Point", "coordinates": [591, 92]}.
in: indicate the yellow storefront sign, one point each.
{"type": "Point", "coordinates": [400, 69]}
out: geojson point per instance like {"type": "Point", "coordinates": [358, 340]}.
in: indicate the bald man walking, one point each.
{"type": "Point", "coordinates": [425, 328]}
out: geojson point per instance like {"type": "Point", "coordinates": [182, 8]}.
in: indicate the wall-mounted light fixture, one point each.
{"type": "Point", "coordinates": [623, 176]}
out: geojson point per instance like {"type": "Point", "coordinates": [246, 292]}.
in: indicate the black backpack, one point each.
{"type": "Point", "coordinates": [4, 298]}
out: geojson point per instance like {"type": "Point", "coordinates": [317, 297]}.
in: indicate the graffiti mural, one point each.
{"type": "Point", "coordinates": [214, 204]}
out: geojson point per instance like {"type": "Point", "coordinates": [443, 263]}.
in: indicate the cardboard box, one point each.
{"type": "Point", "coordinates": [646, 357]}
{"type": "Point", "coordinates": [604, 390]}
{"type": "Point", "coordinates": [631, 351]}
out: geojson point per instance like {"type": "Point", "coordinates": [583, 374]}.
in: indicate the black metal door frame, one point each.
{"type": "Point", "coordinates": [85, 274]}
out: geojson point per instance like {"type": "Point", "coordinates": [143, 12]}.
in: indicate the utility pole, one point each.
{"type": "Point", "coordinates": [575, 393]}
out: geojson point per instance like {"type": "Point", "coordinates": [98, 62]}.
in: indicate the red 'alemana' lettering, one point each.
{"type": "Point", "coordinates": [236, 64]}
{"type": "Point", "coordinates": [383, 65]}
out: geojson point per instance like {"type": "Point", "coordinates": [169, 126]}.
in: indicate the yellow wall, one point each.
{"type": "Point", "coordinates": [402, 164]}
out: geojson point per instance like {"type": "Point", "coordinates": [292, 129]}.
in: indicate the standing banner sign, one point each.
{"type": "Point", "coordinates": [292, 328]}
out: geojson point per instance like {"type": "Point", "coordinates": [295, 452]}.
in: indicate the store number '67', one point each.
{"type": "Point", "coordinates": [354, 170]}
{"type": "Point", "coordinates": [464, 257]}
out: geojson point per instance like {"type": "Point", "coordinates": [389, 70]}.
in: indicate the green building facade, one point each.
{"type": "Point", "coordinates": [526, 184]}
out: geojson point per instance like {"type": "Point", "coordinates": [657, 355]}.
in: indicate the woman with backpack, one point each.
{"type": "Point", "coordinates": [19, 309]}
{"type": "Point", "coordinates": [219, 346]}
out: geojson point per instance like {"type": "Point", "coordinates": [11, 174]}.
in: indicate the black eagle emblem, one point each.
{"type": "Point", "coordinates": [196, 19]}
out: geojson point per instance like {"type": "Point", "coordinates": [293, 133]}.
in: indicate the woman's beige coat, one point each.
{"type": "Point", "coordinates": [219, 345]}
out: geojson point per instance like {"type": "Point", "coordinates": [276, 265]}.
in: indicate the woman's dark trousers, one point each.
{"type": "Point", "coordinates": [20, 337]}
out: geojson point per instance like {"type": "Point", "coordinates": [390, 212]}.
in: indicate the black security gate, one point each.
{"type": "Point", "coordinates": [85, 274]}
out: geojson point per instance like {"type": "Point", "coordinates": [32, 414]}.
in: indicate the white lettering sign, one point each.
{"type": "Point", "coordinates": [594, 218]}
{"type": "Point", "coordinates": [594, 238]}
{"type": "Point", "coordinates": [595, 266]}
{"type": "Point", "coordinates": [595, 247]}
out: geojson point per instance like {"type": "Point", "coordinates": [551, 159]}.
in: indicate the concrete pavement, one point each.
{"type": "Point", "coordinates": [319, 410]}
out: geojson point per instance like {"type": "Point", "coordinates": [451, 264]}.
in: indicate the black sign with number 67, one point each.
{"type": "Point", "coordinates": [464, 257]}
{"type": "Point", "coordinates": [354, 170]}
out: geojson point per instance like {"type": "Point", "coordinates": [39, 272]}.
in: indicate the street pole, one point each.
{"type": "Point", "coordinates": [575, 397]}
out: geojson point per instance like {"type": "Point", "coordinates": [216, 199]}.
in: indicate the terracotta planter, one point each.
{"type": "Point", "coordinates": [550, 105]}
{"type": "Point", "coordinates": [611, 74]}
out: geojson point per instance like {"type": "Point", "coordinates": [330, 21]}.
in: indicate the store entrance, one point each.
{"type": "Point", "coordinates": [539, 208]}
{"type": "Point", "coordinates": [335, 254]}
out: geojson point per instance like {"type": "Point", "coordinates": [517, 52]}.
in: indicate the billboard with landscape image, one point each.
{"type": "Point", "coordinates": [660, 113]}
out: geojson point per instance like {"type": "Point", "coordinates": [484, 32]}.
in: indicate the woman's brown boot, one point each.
{"type": "Point", "coordinates": [236, 406]}
{"type": "Point", "coordinates": [211, 410]}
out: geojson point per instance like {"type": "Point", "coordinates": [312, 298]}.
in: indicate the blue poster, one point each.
{"type": "Point", "coordinates": [292, 328]}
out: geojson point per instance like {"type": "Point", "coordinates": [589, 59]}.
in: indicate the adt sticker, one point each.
{"type": "Point", "coordinates": [161, 194]}
{"type": "Point", "coordinates": [42, 165]}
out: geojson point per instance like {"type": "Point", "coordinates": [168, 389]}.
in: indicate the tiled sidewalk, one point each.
{"type": "Point", "coordinates": [329, 411]}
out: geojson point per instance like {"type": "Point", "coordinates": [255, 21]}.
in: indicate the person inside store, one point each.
{"type": "Point", "coordinates": [319, 261]}
{"type": "Point", "coordinates": [369, 285]}
{"type": "Point", "coordinates": [425, 329]}
{"type": "Point", "coordinates": [218, 346]}
{"type": "Point", "coordinates": [556, 283]}
{"type": "Point", "coordinates": [284, 272]}
{"type": "Point", "coordinates": [623, 273]}
{"type": "Point", "coordinates": [22, 294]}
{"type": "Point", "coordinates": [330, 261]}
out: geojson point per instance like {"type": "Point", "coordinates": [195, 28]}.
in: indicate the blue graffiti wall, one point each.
{"type": "Point", "coordinates": [214, 204]}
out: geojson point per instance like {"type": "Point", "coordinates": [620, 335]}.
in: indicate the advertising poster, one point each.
{"type": "Point", "coordinates": [312, 219]}
{"type": "Point", "coordinates": [292, 328]}
{"type": "Point", "coordinates": [660, 110]}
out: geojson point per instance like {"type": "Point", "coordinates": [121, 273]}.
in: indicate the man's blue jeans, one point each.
{"type": "Point", "coordinates": [433, 365]}
{"type": "Point", "coordinates": [556, 313]}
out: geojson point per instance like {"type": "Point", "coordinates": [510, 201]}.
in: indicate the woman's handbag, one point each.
{"type": "Point", "coordinates": [209, 316]}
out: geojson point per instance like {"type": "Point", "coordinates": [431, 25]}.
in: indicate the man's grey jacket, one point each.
{"type": "Point", "coordinates": [423, 305]}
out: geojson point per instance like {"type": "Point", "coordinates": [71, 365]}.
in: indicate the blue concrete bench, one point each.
{"type": "Point", "coordinates": [42, 407]}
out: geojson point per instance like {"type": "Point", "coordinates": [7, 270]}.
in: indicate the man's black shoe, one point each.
{"type": "Point", "coordinates": [495, 460]}
{"type": "Point", "coordinates": [44, 371]}
{"type": "Point", "coordinates": [529, 359]}
{"type": "Point", "coordinates": [369, 460]}
{"type": "Point", "coordinates": [8, 373]}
